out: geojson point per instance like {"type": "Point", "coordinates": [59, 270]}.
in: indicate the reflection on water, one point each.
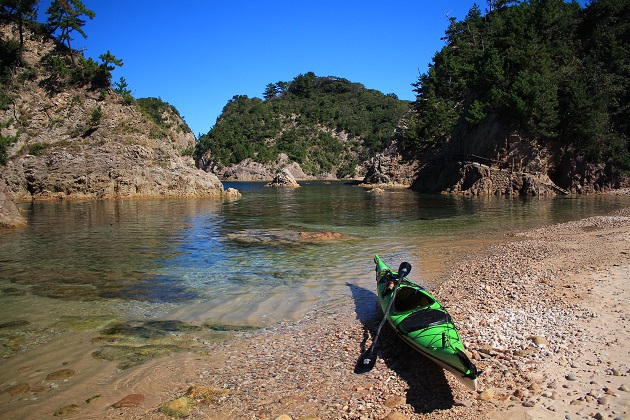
{"type": "Point", "coordinates": [181, 256]}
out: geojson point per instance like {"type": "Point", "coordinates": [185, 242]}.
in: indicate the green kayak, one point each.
{"type": "Point", "coordinates": [423, 323]}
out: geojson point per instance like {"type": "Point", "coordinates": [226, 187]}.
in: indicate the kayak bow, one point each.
{"type": "Point", "coordinates": [424, 324]}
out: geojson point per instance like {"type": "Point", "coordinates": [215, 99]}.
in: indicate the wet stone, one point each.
{"type": "Point", "coordinates": [17, 389]}
{"type": "Point", "coordinates": [486, 395]}
{"type": "Point", "coordinates": [67, 410]}
{"type": "Point", "coordinates": [177, 408]}
{"type": "Point", "coordinates": [539, 340]}
{"type": "Point", "coordinates": [60, 375]}
{"type": "Point", "coordinates": [395, 401]}
{"type": "Point", "coordinates": [131, 400]}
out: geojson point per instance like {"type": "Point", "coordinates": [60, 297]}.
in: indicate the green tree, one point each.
{"type": "Point", "coordinates": [122, 88]}
{"type": "Point", "coordinates": [271, 91]}
{"type": "Point", "coordinates": [21, 12]}
{"type": "Point", "coordinates": [67, 16]}
{"type": "Point", "coordinates": [548, 69]}
{"type": "Point", "coordinates": [5, 142]}
{"type": "Point", "coordinates": [109, 61]}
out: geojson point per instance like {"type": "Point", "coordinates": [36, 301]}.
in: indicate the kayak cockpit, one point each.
{"type": "Point", "coordinates": [410, 298]}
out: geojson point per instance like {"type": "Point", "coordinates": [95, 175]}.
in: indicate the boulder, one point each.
{"type": "Point", "coordinates": [283, 179]}
{"type": "Point", "coordinates": [9, 213]}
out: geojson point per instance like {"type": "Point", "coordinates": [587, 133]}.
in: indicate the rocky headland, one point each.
{"type": "Point", "coordinates": [79, 142]}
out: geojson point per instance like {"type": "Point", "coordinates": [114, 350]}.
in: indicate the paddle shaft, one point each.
{"type": "Point", "coordinates": [402, 272]}
{"type": "Point", "coordinates": [391, 302]}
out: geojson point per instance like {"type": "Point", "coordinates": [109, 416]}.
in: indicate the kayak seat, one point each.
{"type": "Point", "coordinates": [424, 318]}
{"type": "Point", "coordinates": [408, 298]}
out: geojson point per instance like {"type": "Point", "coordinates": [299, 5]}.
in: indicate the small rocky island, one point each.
{"type": "Point", "coordinates": [283, 179]}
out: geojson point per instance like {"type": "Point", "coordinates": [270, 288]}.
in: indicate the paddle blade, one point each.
{"type": "Point", "coordinates": [366, 362]}
{"type": "Point", "coordinates": [403, 270]}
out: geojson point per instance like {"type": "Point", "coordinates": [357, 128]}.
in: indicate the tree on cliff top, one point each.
{"type": "Point", "coordinates": [66, 16]}
{"type": "Point", "coordinates": [20, 12]}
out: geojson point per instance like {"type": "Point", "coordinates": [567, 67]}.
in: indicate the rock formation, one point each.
{"type": "Point", "coordinates": [9, 213]}
{"type": "Point", "coordinates": [249, 170]}
{"type": "Point", "coordinates": [391, 169]}
{"type": "Point", "coordinates": [283, 179]}
{"type": "Point", "coordinates": [76, 142]}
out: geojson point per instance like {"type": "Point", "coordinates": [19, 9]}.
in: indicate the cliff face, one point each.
{"type": "Point", "coordinates": [80, 143]}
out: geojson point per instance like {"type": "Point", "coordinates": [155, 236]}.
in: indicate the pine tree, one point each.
{"type": "Point", "coordinates": [20, 12]}
{"type": "Point", "coordinates": [67, 16]}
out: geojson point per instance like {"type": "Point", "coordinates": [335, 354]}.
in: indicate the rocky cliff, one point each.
{"type": "Point", "coordinates": [77, 142]}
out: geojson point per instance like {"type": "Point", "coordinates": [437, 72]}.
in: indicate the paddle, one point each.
{"type": "Point", "coordinates": [368, 359]}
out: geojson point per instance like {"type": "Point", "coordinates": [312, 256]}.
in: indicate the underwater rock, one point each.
{"type": "Point", "coordinates": [18, 389]}
{"type": "Point", "coordinates": [280, 237]}
{"type": "Point", "coordinates": [177, 408]}
{"type": "Point", "coordinates": [60, 375]}
{"type": "Point", "coordinates": [131, 400]}
{"type": "Point", "coordinates": [67, 410]}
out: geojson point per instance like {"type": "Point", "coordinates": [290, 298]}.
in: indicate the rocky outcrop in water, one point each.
{"type": "Point", "coordinates": [283, 179]}
{"type": "Point", "coordinates": [477, 179]}
{"type": "Point", "coordinates": [389, 169]}
{"type": "Point", "coordinates": [76, 142]}
{"type": "Point", "coordinates": [9, 213]}
{"type": "Point", "coordinates": [249, 170]}
{"type": "Point", "coordinates": [109, 171]}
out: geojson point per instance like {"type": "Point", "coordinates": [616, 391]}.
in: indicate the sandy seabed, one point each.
{"type": "Point", "coordinates": [545, 316]}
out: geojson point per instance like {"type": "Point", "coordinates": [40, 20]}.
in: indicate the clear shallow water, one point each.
{"type": "Point", "coordinates": [239, 261]}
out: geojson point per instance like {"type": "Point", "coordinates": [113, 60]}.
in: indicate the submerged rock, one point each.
{"type": "Point", "coordinates": [131, 400]}
{"type": "Point", "coordinates": [18, 389]}
{"type": "Point", "coordinates": [281, 237]}
{"type": "Point", "coordinates": [177, 408]}
{"type": "Point", "coordinates": [67, 410]}
{"type": "Point", "coordinates": [60, 375]}
{"type": "Point", "coordinates": [205, 394]}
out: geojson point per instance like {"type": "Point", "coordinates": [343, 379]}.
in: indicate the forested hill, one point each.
{"type": "Point", "coordinates": [326, 124]}
{"type": "Point", "coordinates": [544, 83]}
{"type": "Point", "coordinates": [539, 85]}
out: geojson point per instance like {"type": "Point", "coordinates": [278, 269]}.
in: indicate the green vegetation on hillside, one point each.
{"type": "Point", "coordinates": [63, 69]}
{"type": "Point", "coordinates": [158, 111]}
{"type": "Point", "coordinates": [301, 118]}
{"type": "Point", "coordinates": [545, 68]}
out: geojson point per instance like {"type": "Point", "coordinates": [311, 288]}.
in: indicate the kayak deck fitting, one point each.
{"type": "Point", "coordinates": [424, 324]}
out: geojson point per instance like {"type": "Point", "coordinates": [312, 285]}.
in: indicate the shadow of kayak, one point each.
{"type": "Point", "coordinates": [428, 389]}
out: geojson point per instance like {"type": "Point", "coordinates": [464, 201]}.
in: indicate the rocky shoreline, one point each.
{"type": "Point", "coordinates": [545, 317]}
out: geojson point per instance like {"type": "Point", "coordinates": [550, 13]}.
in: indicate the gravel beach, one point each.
{"type": "Point", "coordinates": [544, 315]}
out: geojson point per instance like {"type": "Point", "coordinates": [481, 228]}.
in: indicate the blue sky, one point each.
{"type": "Point", "coordinates": [198, 54]}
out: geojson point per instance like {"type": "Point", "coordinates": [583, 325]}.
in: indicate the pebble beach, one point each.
{"type": "Point", "coordinates": [544, 315]}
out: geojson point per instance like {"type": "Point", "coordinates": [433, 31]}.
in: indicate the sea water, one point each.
{"type": "Point", "coordinates": [243, 261]}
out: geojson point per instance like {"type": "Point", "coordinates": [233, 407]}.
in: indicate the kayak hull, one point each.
{"type": "Point", "coordinates": [424, 324]}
